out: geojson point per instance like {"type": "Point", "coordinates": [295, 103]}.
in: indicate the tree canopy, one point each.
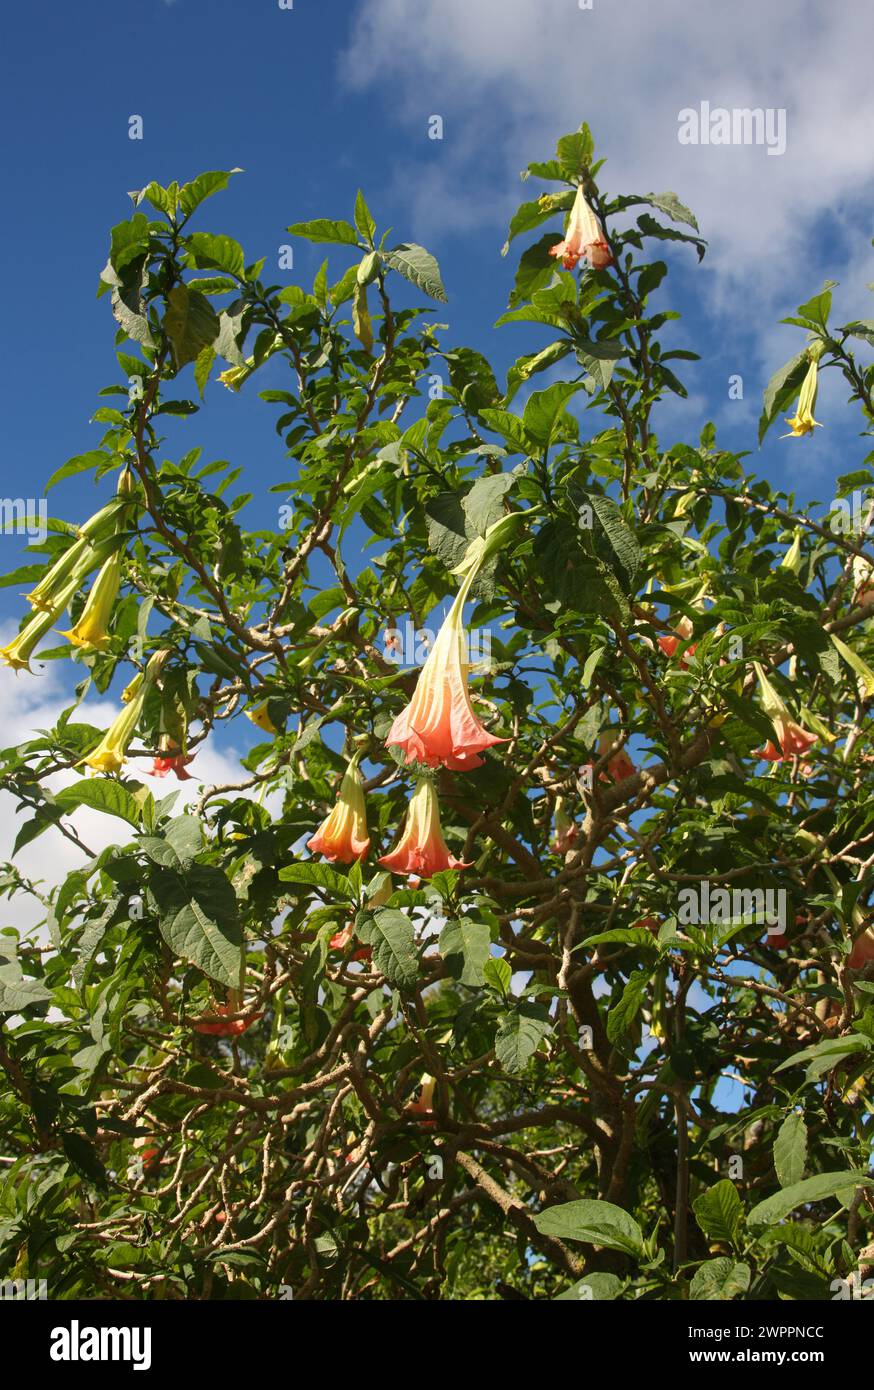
{"type": "Point", "coordinates": [529, 953]}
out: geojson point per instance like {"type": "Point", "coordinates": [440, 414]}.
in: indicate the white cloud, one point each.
{"type": "Point", "coordinates": [509, 75]}
{"type": "Point", "coordinates": [32, 702]}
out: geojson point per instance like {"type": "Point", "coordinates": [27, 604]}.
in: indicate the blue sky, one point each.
{"type": "Point", "coordinates": [316, 101]}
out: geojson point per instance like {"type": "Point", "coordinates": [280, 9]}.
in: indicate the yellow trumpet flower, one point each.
{"type": "Point", "coordinates": [792, 559]}
{"type": "Point", "coordinates": [77, 561]}
{"type": "Point", "coordinates": [111, 751]}
{"type": "Point", "coordinates": [92, 629]}
{"type": "Point", "coordinates": [18, 652]}
{"type": "Point", "coordinates": [802, 422]}
{"type": "Point", "coordinates": [260, 718]}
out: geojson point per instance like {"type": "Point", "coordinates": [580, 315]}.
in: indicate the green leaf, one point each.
{"type": "Point", "coordinates": [520, 1033]}
{"type": "Point", "coordinates": [718, 1212]}
{"type": "Point", "coordinates": [816, 1189]}
{"type": "Point", "coordinates": [536, 269]}
{"type": "Point", "coordinates": [621, 539]}
{"type": "Point", "coordinates": [134, 323]}
{"type": "Point", "coordinates": [530, 215]}
{"type": "Point", "coordinates": [782, 389]}
{"type": "Point", "coordinates": [419, 267]}
{"type": "Point", "coordinates": [574, 152]}
{"type": "Point", "coordinates": [593, 1223]}
{"type": "Point", "coordinates": [721, 1279]}
{"type": "Point", "coordinates": [483, 504]}
{"type": "Point", "coordinates": [670, 204]}
{"type": "Point", "coordinates": [322, 229]}
{"type": "Point", "coordinates": [185, 836]}
{"type": "Point", "coordinates": [509, 426]}
{"type": "Point", "coordinates": [202, 367]}
{"type": "Point", "coordinates": [192, 194]}
{"type": "Point", "coordinates": [600, 358]}
{"type": "Point", "coordinates": [817, 309]}
{"type": "Point", "coordinates": [129, 241]}
{"type": "Point", "coordinates": [790, 1150]}
{"type": "Point", "coordinates": [390, 933]}
{"type": "Point", "coordinates": [216, 253]}
{"type": "Point", "coordinates": [17, 990]}
{"type": "Point", "coordinates": [363, 219]}
{"type": "Point", "coordinates": [464, 946]}
{"type": "Point", "coordinates": [448, 531]}
{"type": "Point", "coordinates": [649, 227]}
{"type": "Point", "coordinates": [84, 1159]}
{"type": "Point", "coordinates": [593, 1288]}
{"type": "Point", "coordinates": [101, 794]}
{"type": "Point", "coordinates": [319, 876]}
{"type": "Point", "coordinates": [79, 463]}
{"type": "Point", "coordinates": [621, 1015]}
{"type": "Point", "coordinates": [497, 973]}
{"type": "Point", "coordinates": [190, 323]}
{"type": "Point", "coordinates": [361, 323]}
{"type": "Point", "coordinates": [544, 411]}
{"type": "Point", "coordinates": [832, 1047]}
{"type": "Point", "coordinates": [198, 919]}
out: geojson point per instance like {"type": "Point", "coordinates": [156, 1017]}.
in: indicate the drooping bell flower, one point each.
{"type": "Point", "coordinates": [792, 740]}
{"type": "Point", "coordinates": [802, 422]}
{"type": "Point", "coordinates": [863, 950]}
{"type": "Point", "coordinates": [111, 751]}
{"type": "Point", "coordinates": [77, 561]}
{"type": "Point", "coordinates": [619, 765]}
{"type": "Point", "coordinates": [341, 939]}
{"type": "Point", "coordinates": [792, 559]}
{"type": "Point", "coordinates": [423, 1106]}
{"type": "Point", "coordinates": [132, 688]}
{"type": "Point", "coordinates": [439, 724]}
{"type": "Point", "coordinates": [235, 377]}
{"type": "Point", "coordinates": [19, 651]}
{"type": "Point", "coordinates": [584, 238]}
{"type": "Point", "coordinates": [422, 849]}
{"type": "Point", "coordinates": [261, 718]}
{"type": "Point", "coordinates": [170, 758]}
{"type": "Point", "coordinates": [342, 837]}
{"type": "Point", "coordinates": [92, 629]}
{"type": "Point", "coordinates": [221, 1025]}
{"type": "Point", "coordinates": [566, 830]}
{"type": "Point", "coordinates": [681, 634]}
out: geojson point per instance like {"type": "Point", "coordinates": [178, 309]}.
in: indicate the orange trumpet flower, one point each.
{"type": "Point", "coordinates": [439, 724]}
{"type": "Point", "coordinates": [422, 849]}
{"type": "Point", "coordinates": [343, 836]}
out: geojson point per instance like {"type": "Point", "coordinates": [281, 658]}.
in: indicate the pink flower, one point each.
{"type": "Point", "coordinates": [619, 765]}
{"type": "Point", "coordinates": [422, 849]}
{"type": "Point", "coordinates": [792, 739]}
{"type": "Point", "coordinates": [669, 645]}
{"type": "Point", "coordinates": [161, 767]}
{"type": "Point", "coordinates": [225, 1027]}
{"type": "Point", "coordinates": [439, 724]}
{"type": "Point", "coordinates": [584, 238]}
{"type": "Point", "coordinates": [341, 939]}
